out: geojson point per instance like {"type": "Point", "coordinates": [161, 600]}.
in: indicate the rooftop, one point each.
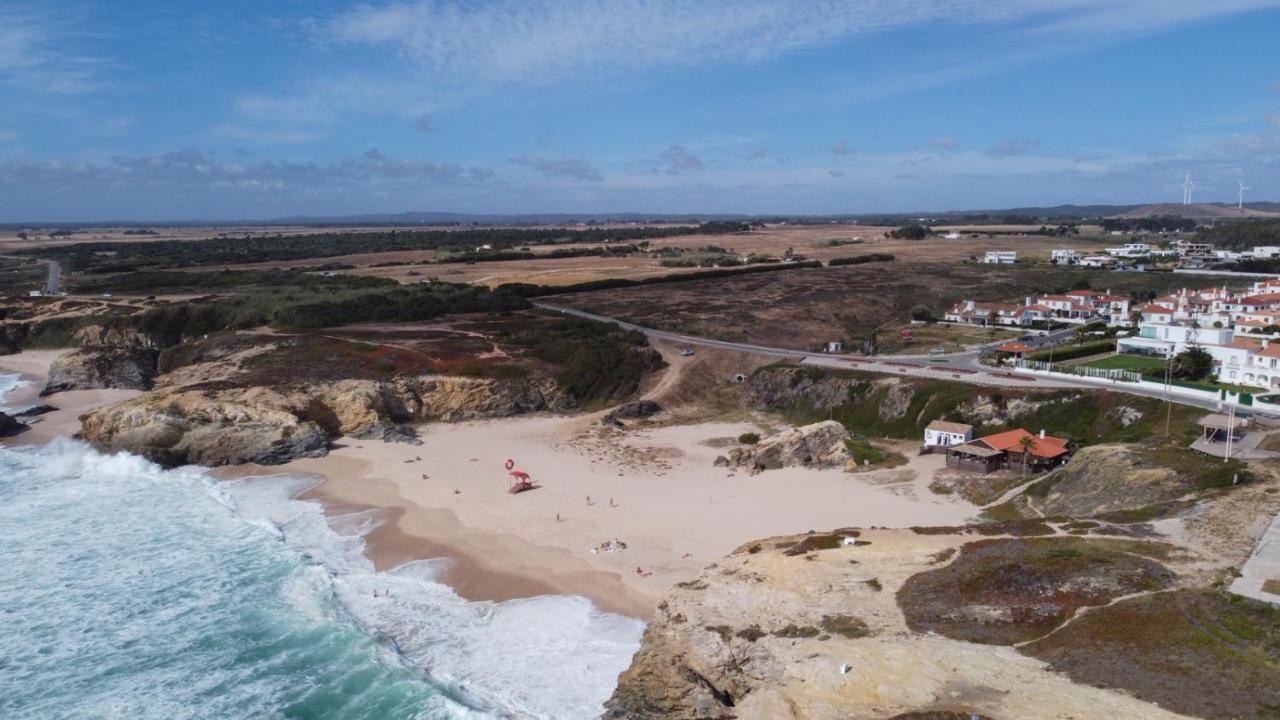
{"type": "Point", "coordinates": [950, 427]}
{"type": "Point", "coordinates": [1011, 441]}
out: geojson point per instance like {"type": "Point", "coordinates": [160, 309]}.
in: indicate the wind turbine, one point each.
{"type": "Point", "coordinates": [1240, 202]}
{"type": "Point", "coordinates": [1187, 186]}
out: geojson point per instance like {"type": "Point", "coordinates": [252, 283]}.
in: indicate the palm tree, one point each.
{"type": "Point", "coordinates": [1026, 443]}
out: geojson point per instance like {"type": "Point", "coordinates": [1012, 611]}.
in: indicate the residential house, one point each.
{"type": "Point", "coordinates": [971, 312]}
{"type": "Point", "coordinates": [1064, 256]}
{"type": "Point", "coordinates": [942, 433]}
{"type": "Point", "coordinates": [1130, 250]}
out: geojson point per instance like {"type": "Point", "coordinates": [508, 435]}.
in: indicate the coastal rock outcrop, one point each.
{"type": "Point", "coordinates": [10, 425]}
{"type": "Point", "coordinates": [812, 626]}
{"type": "Point", "coordinates": [212, 426]}
{"type": "Point", "coordinates": [819, 445]}
{"type": "Point", "coordinates": [637, 410]}
{"type": "Point", "coordinates": [97, 367]}
{"type": "Point", "coordinates": [194, 427]}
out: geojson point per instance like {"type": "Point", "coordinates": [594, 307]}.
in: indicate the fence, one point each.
{"type": "Point", "coordinates": [1082, 370]}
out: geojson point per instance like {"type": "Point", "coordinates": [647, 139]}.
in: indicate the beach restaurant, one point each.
{"type": "Point", "coordinates": [1006, 449]}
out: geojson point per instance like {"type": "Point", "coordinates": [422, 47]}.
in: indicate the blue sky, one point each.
{"type": "Point", "coordinates": [239, 109]}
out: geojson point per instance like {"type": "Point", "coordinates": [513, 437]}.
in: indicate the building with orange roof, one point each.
{"type": "Point", "coordinates": [1009, 449]}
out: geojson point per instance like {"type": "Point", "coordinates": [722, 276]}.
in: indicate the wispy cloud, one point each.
{"type": "Point", "coordinates": [676, 159]}
{"type": "Point", "coordinates": [1011, 147]}
{"type": "Point", "coordinates": [841, 147]}
{"type": "Point", "coordinates": [193, 170]}
{"type": "Point", "coordinates": [573, 168]}
{"type": "Point", "coordinates": [36, 54]}
{"type": "Point", "coordinates": [518, 41]}
{"type": "Point", "coordinates": [944, 145]}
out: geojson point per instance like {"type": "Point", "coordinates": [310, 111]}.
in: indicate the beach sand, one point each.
{"type": "Point", "coordinates": [655, 489]}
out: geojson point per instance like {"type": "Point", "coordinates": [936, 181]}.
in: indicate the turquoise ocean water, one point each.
{"type": "Point", "coordinates": [128, 591]}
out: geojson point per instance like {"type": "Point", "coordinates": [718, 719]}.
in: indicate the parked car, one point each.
{"type": "Point", "coordinates": [687, 352]}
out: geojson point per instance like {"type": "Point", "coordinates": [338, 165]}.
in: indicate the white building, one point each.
{"type": "Point", "coordinates": [1064, 256]}
{"type": "Point", "coordinates": [1266, 251]}
{"type": "Point", "coordinates": [1097, 261]}
{"type": "Point", "coordinates": [1129, 250]}
{"type": "Point", "coordinates": [941, 433]}
{"type": "Point", "coordinates": [1000, 257]}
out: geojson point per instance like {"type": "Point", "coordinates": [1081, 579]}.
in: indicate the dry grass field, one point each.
{"type": "Point", "coordinates": [805, 308]}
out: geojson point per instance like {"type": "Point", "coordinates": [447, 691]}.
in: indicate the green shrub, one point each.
{"type": "Point", "coordinates": [748, 438]}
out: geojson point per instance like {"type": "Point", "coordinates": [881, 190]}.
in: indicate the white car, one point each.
{"type": "Point", "coordinates": [687, 352]}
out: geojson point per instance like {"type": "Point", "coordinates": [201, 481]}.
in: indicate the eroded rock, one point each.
{"type": "Point", "coordinates": [819, 445]}
{"type": "Point", "coordinates": [97, 367]}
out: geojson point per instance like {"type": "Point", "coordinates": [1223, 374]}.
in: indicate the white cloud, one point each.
{"type": "Point", "coordinates": [677, 159]}
{"type": "Point", "coordinates": [573, 168]}
{"type": "Point", "coordinates": [193, 170]}
{"type": "Point", "coordinates": [518, 41]}
{"type": "Point", "coordinates": [840, 148]}
{"type": "Point", "coordinates": [35, 55]}
{"type": "Point", "coordinates": [1012, 146]}
{"type": "Point", "coordinates": [264, 135]}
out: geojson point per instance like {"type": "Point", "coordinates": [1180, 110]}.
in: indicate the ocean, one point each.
{"type": "Point", "coordinates": [129, 591]}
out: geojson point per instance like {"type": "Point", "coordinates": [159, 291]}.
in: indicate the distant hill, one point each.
{"type": "Point", "coordinates": [448, 218]}
{"type": "Point", "coordinates": [1198, 211]}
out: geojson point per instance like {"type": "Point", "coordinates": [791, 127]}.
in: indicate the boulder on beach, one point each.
{"type": "Point", "coordinates": [820, 445]}
{"type": "Point", "coordinates": [10, 425]}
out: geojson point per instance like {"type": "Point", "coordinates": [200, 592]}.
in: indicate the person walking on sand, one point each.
{"type": "Point", "coordinates": [612, 504]}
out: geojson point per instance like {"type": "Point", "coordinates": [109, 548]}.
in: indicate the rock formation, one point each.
{"type": "Point", "coordinates": [819, 445]}
{"type": "Point", "coordinates": [811, 626]}
{"type": "Point", "coordinates": [10, 425]}
{"type": "Point", "coordinates": [274, 425]}
{"type": "Point", "coordinates": [96, 367]}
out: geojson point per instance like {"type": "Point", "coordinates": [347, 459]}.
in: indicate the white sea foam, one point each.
{"type": "Point", "coordinates": [544, 657]}
{"type": "Point", "coordinates": [8, 383]}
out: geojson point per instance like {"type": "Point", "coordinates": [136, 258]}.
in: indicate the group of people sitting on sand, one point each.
{"type": "Point", "coordinates": [609, 546]}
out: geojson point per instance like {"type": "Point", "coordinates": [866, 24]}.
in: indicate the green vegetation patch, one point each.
{"type": "Point", "coordinates": [1127, 362]}
{"type": "Point", "coordinates": [846, 626]}
{"type": "Point", "coordinates": [1195, 652]}
{"type": "Point", "coordinates": [1001, 592]}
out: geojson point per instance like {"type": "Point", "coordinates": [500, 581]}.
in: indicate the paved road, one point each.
{"type": "Point", "coordinates": [961, 367]}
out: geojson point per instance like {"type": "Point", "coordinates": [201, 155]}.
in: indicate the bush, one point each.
{"type": "Point", "coordinates": [910, 232]}
{"type": "Point", "coordinates": [748, 438]}
{"type": "Point", "coordinates": [923, 314]}
{"type": "Point", "coordinates": [860, 259]}
{"type": "Point", "coordinates": [1072, 352]}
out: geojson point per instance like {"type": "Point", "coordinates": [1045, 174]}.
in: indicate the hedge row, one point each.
{"type": "Point", "coordinates": [860, 259]}
{"type": "Point", "coordinates": [1071, 352]}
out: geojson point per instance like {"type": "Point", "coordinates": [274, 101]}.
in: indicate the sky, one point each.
{"type": "Point", "coordinates": [255, 109]}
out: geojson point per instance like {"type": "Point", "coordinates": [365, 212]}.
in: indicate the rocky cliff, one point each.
{"type": "Point", "coordinates": [273, 425]}
{"type": "Point", "coordinates": [98, 366]}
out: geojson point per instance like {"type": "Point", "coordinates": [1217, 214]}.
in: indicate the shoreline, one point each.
{"type": "Point", "coordinates": [652, 487]}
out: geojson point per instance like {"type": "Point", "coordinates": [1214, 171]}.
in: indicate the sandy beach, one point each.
{"type": "Point", "coordinates": [654, 489]}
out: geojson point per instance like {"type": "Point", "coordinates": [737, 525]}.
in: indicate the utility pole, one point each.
{"type": "Point", "coordinates": [1168, 401]}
